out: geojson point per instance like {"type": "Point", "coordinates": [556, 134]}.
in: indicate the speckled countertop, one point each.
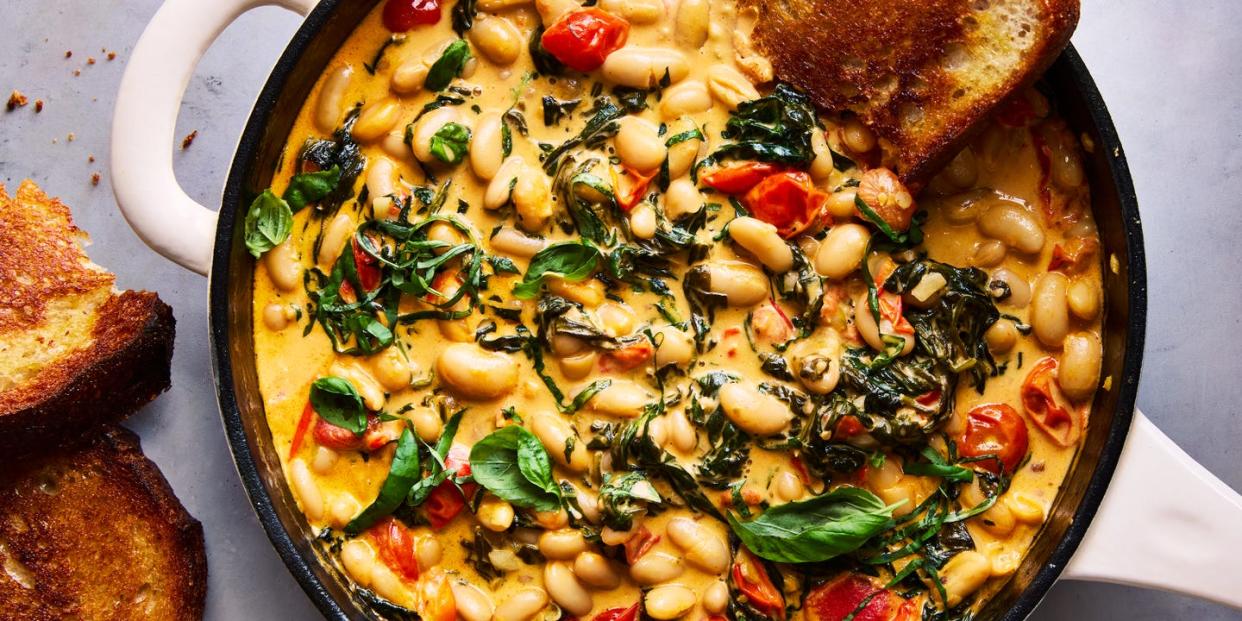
{"type": "Point", "coordinates": [1169, 72]}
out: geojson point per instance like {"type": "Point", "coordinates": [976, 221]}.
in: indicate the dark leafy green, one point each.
{"type": "Point", "coordinates": [816, 529]}
{"type": "Point", "coordinates": [338, 402]}
{"type": "Point", "coordinates": [623, 496]}
{"type": "Point", "coordinates": [571, 261]}
{"type": "Point", "coordinates": [402, 475]}
{"type": "Point", "coordinates": [448, 66]}
{"type": "Point", "coordinates": [450, 143]}
{"type": "Point", "coordinates": [311, 187]}
{"type": "Point", "coordinates": [268, 223]}
{"type": "Point", "coordinates": [512, 464]}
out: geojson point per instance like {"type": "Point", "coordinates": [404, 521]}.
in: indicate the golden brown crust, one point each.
{"type": "Point", "coordinates": [886, 62]}
{"type": "Point", "coordinates": [95, 532]}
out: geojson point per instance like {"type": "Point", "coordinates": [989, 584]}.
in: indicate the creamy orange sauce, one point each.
{"type": "Point", "coordinates": [341, 483]}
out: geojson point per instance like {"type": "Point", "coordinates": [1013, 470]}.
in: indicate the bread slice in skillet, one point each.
{"type": "Point", "coordinates": [73, 352]}
{"type": "Point", "coordinates": [93, 531]}
{"type": "Point", "coordinates": [919, 73]}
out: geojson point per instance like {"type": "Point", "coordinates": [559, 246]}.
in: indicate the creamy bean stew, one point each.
{"type": "Point", "coordinates": [574, 311]}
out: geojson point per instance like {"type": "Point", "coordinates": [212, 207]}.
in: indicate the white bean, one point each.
{"type": "Point", "coordinates": [359, 561]}
{"type": "Point", "coordinates": [565, 589]}
{"type": "Point", "coordinates": [391, 369]}
{"type": "Point", "coordinates": [703, 546]}
{"type": "Point", "coordinates": [393, 144]}
{"type": "Point", "coordinates": [1001, 336]}
{"type": "Point", "coordinates": [856, 136]}
{"type": "Point", "coordinates": [669, 601]}
{"type": "Point", "coordinates": [556, 434]}
{"type": "Point", "coordinates": [332, 98]}
{"type": "Point", "coordinates": [336, 234]}
{"type": "Point", "coordinates": [499, 191]}
{"type": "Point", "coordinates": [656, 567]}
{"type": "Point", "coordinates": [368, 388]}
{"type": "Point", "coordinates": [681, 432]}
{"type": "Point", "coordinates": [472, 603]}
{"type": "Point", "coordinates": [729, 86]}
{"type": "Point", "coordinates": [841, 251]}
{"type": "Point", "coordinates": [476, 374]}
{"type": "Point", "coordinates": [681, 198]}
{"type": "Point", "coordinates": [324, 459]}
{"type": "Point", "coordinates": [522, 605]}
{"type": "Point", "coordinates": [639, 144]}
{"type": "Point", "coordinates": [308, 494]}
{"type": "Point", "coordinates": [496, 38]}
{"type": "Point", "coordinates": [283, 266]}
{"type": "Point", "coordinates": [716, 597]}
{"type": "Point", "coordinates": [864, 320]}
{"type": "Point", "coordinates": [562, 545]}
{"type": "Point", "coordinates": [1084, 299]}
{"type": "Point", "coordinates": [822, 166]}
{"type": "Point", "coordinates": [692, 22]}
{"type": "Point", "coordinates": [635, 11]}
{"type": "Point", "coordinates": [551, 10]}
{"type": "Point", "coordinates": [672, 346]}
{"type": "Point", "coordinates": [532, 200]}
{"type": "Point", "coordinates": [761, 240]}
{"type": "Point", "coordinates": [1024, 508]}
{"type": "Point", "coordinates": [755, 412]}
{"type": "Point", "coordinates": [622, 398]}
{"type": "Point", "coordinates": [1049, 310]}
{"type": "Point", "coordinates": [597, 571]}
{"type": "Point", "coordinates": [1079, 371]}
{"type": "Point", "coordinates": [641, 67]}
{"type": "Point", "coordinates": [495, 514]}
{"type": "Point", "coordinates": [274, 317]}
{"type": "Point", "coordinates": [1014, 225]}
{"type": "Point", "coordinates": [685, 98]}
{"type": "Point", "coordinates": [741, 283]}
{"type": "Point", "coordinates": [788, 486]}
{"type": "Point", "coordinates": [426, 129]}
{"type": "Point", "coordinates": [643, 221]}
{"type": "Point", "coordinates": [427, 424]}
{"type": "Point", "coordinates": [500, 5]}
{"type": "Point", "coordinates": [376, 119]}
{"type": "Point", "coordinates": [1019, 288]}
{"type": "Point", "coordinates": [428, 551]}
{"type": "Point", "coordinates": [381, 187]}
{"type": "Point", "coordinates": [964, 574]}
{"type": "Point", "coordinates": [516, 243]}
{"type": "Point", "coordinates": [486, 152]}
{"type": "Point", "coordinates": [681, 156]}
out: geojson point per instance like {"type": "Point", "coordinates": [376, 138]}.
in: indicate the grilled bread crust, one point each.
{"type": "Point", "coordinates": [94, 532]}
{"type": "Point", "coordinates": [919, 73]}
{"type": "Point", "coordinates": [73, 353]}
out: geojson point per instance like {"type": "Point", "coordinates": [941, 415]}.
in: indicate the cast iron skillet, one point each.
{"type": "Point", "coordinates": [329, 24]}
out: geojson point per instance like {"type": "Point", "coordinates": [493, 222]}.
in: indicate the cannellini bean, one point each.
{"type": "Point", "coordinates": [672, 346]}
{"type": "Point", "coordinates": [964, 574]}
{"type": "Point", "coordinates": [551, 10]}
{"type": "Point", "coordinates": [472, 603]}
{"type": "Point", "coordinates": [359, 560]}
{"type": "Point", "coordinates": [927, 291]}
{"type": "Point", "coordinates": [325, 458]}
{"type": "Point", "coordinates": [703, 546]}
{"type": "Point", "coordinates": [496, 38]}
{"type": "Point", "coordinates": [393, 144]}
{"type": "Point", "coordinates": [1014, 225]}
{"type": "Point", "coordinates": [476, 374]}
{"type": "Point", "coordinates": [425, 129]}
{"type": "Point", "coordinates": [643, 67]}
{"type": "Point", "coordinates": [789, 486]}
{"type": "Point", "coordinates": [500, 5]}
{"type": "Point", "coordinates": [427, 424]}
{"type": "Point", "coordinates": [729, 86]}
{"type": "Point", "coordinates": [643, 221]}
{"type": "Point", "coordinates": [669, 601]}
{"type": "Point", "coordinates": [864, 320]}
{"type": "Point", "coordinates": [275, 318]}
{"type": "Point", "coordinates": [822, 166]}
{"type": "Point", "coordinates": [761, 240]}
{"type": "Point", "coordinates": [635, 11]}
{"type": "Point", "coordinates": [486, 152]}
{"type": "Point", "coordinates": [1024, 508]}
{"type": "Point", "coordinates": [1084, 299]}
{"type": "Point", "coordinates": [428, 551]}
{"type": "Point", "coordinates": [589, 293]}
{"type": "Point", "coordinates": [552, 520]}
{"type": "Point", "coordinates": [495, 514]}
{"type": "Point", "coordinates": [1079, 371]}
{"type": "Point", "coordinates": [755, 412]}
{"type": "Point", "coordinates": [656, 567]}
{"type": "Point", "coordinates": [516, 243]}
{"type": "Point", "coordinates": [1019, 288]}
{"type": "Point", "coordinates": [965, 208]}
{"type": "Point", "coordinates": [841, 251]}
{"type": "Point", "coordinates": [565, 589]}
{"type": "Point", "coordinates": [578, 366]}
{"type": "Point", "coordinates": [532, 200]}
{"type": "Point", "coordinates": [856, 136]}
{"type": "Point", "coordinates": [622, 398]}
{"type": "Point", "coordinates": [841, 205]}
{"type": "Point", "coordinates": [381, 187]}
{"type": "Point", "coordinates": [818, 366]}
{"type": "Point", "coordinates": [691, 25]}
{"type": "Point", "coordinates": [1049, 310]}
{"type": "Point", "coordinates": [681, 198]}
{"type": "Point", "coordinates": [716, 597]}
{"type": "Point", "coordinates": [499, 191]}
{"type": "Point", "coordinates": [997, 520]}
{"type": "Point", "coordinates": [616, 318]}
{"type": "Point", "coordinates": [409, 76]}
{"type": "Point", "coordinates": [391, 369]}
{"type": "Point", "coordinates": [963, 170]}
{"type": "Point", "coordinates": [639, 144]}
{"type": "Point", "coordinates": [307, 492]}
{"type": "Point", "coordinates": [685, 98]}
{"type": "Point", "coordinates": [336, 234]}
{"type": "Point", "coordinates": [522, 605]}
{"type": "Point", "coordinates": [989, 253]}
{"type": "Point", "coordinates": [332, 98]}
{"type": "Point", "coordinates": [283, 266]}
{"type": "Point", "coordinates": [556, 434]}
{"type": "Point", "coordinates": [682, 155]}
{"type": "Point", "coordinates": [562, 545]}
{"type": "Point", "coordinates": [658, 431]}
{"type": "Point", "coordinates": [681, 432]}
{"type": "Point", "coordinates": [1001, 336]}
{"type": "Point", "coordinates": [741, 283]}
{"type": "Point", "coordinates": [376, 119]}
{"type": "Point", "coordinates": [368, 388]}
{"type": "Point", "coordinates": [589, 503]}
{"type": "Point", "coordinates": [596, 571]}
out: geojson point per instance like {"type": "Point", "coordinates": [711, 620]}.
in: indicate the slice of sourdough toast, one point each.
{"type": "Point", "coordinates": [920, 73]}
{"type": "Point", "coordinates": [93, 531]}
{"type": "Point", "coordinates": [73, 351]}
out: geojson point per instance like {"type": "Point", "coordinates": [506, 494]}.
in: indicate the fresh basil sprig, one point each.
{"type": "Point", "coordinates": [448, 66]}
{"type": "Point", "coordinates": [311, 187]}
{"type": "Point", "coordinates": [402, 475]}
{"type": "Point", "coordinates": [512, 464]}
{"type": "Point", "coordinates": [450, 143]}
{"type": "Point", "coordinates": [620, 497]}
{"type": "Point", "coordinates": [268, 223]}
{"type": "Point", "coordinates": [817, 529]}
{"type": "Point", "coordinates": [572, 261]}
{"type": "Point", "coordinates": [336, 401]}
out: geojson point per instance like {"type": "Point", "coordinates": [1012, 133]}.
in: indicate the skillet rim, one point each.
{"type": "Point", "coordinates": [310, 573]}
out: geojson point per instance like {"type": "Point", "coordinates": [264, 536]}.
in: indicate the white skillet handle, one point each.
{"type": "Point", "coordinates": [1166, 523]}
{"type": "Point", "coordinates": [160, 67]}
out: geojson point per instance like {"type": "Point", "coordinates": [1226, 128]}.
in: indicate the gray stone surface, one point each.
{"type": "Point", "coordinates": [1169, 72]}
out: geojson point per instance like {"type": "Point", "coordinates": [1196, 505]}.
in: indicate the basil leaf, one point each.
{"type": "Point", "coordinates": [449, 143]}
{"type": "Point", "coordinates": [448, 66]}
{"type": "Point", "coordinates": [268, 223]}
{"type": "Point", "coordinates": [572, 261]}
{"type": "Point", "coordinates": [817, 529]}
{"type": "Point", "coordinates": [620, 495]}
{"type": "Point", "coordinates": [936, 466]}
{"type": "Point", "coordinates": [336, 400]}
{"type": "Point", "coordinates": [312, 187]}
{"type": "Point", "coordinates": [512, 464]}
{"type": "Point", "coordinates": [464, 12]}
{"type": "Point", "coordinates": [402, 475]}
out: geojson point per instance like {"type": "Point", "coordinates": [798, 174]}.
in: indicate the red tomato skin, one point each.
{"type": "Point", "coordinates": [445, 501]}
{"type": "Point", "coordinates": [308, 414]}
{"type": "Point", "coordinates": [761, 593]}
{"type": "Point", "coordinates": [835, 600]}
{"type": "Point", "coordinates": [367, 267]}
{"type": "Point", "coordinates": [788, 201]}
{"type": "Point", "coordinates": [583, 38]}
{"type": "Point", "coordinates": [627, 358]}
{"type": "Point", "coordinates": [741, 178]}
{"type": "Point", "coordinates": [336, 438]}
{"type": "Point", "coordinates": [1042, 407]}
{"type": "Point", "coordinates": [995, 428]}
{"type": "Point", "coordinates": [396, 548]}
{"type": "Point", "coordinates": [618, 614]}
{"type": "Point", "coordinates": [404, 15]}
{"type": "Point", "coordinates": [639, 544]}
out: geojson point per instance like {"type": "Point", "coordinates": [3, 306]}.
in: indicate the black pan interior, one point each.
{"type": "Point", "coordinates": [264, 137]}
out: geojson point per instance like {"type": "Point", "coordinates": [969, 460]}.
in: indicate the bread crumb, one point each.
{"type": "Point", "coordinates": [90, 158]}
{"type": "Point", "coordinates": [38, 105]}
{"type": "Point", "coordinates": [189, 140]}
{"type": "Point", "coordinates": [95, 178]}
{"type": "Point", "coordinates": [111, 55]}
{"type": "Point", "coordinates": [68, 53]}
{"type": "Point", "coordinates": [16, 100]}
{"type": "Point", "coordinates": [71, 137]}
{"type": "Point", "coordinates": [77, 72]}
{"type": "Point", "coordinates": [90, 60]}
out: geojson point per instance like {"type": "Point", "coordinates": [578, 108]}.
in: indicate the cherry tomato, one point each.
{"type": "Point", "coordinates": [835, 600]}
{"type": "Point", "coordinates": [404, 15]}
{"type": "Point", "coordinates": [788, 201]}
{"type": "Point", "coordinates": [583, 38]}
{"type": "Point", "coordinates": [1072, 256]}
{"type": "Point", "coordinates": [628, 357]}
{"type": "Point", "coordinates": [338, 438]}
{"type": "Point", "coordinates": [434, 598]}
{"type": "Point", "coordinates": [308, 414]}
{"type": "Point", "coordinates": [891, 318]}
{"type": "Point", "coordinates": [446, 501]}
{"type": "Point", "coordinates": [618, 614]}
{"type": "Point", "coordinates": [848, 427]}
{"type": "Point", "coordinates": [627, 199]}
{"type": "Point", "coordinates": [1039, 399]}
{"type": "Point", "coordinates": [752, 580]}
{"type": "Point", "coordinates": [396, 547]}
{"type": "Point", "coordinates": [639, 544]}
{"type": "Point", "coordinates": [367, 267]}
{"type": "Point", "coordinates": [995, 429]}
{"type": "Point", "coordinates": [380, 434]}
{"type": "Point", "coordinates": [740, 178]}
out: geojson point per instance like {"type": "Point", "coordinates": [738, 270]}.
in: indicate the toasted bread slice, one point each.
{"type": "Point", "coordinates": [95, 532]}
{"type": "Point", "coordinates": [73, 352]}
{"type": "Point", "coordinates": [919, 73]}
